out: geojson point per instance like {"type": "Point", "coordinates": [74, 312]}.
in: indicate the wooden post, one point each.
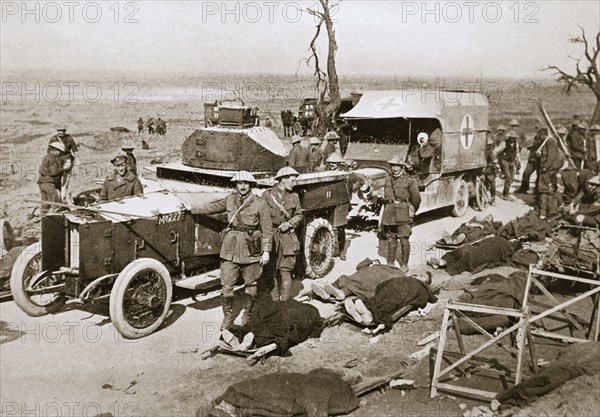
{"type": "Point", "coordinates": [461, 345]}
{"type": "Point", "coordinates": [440, 353]}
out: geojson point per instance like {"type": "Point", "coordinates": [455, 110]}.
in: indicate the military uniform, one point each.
{"type": "Point", "coordinates": [401, 195]}
{"type": "Point", "coordinates": [113, 188]}
{"type": "Point", "coordinates": [547, 180]}
{"type": "Point", "coordinates": [533, 163]}
{"type": "Point", "coordinates": [315, 158]}
{"type": "Point", "coordinates": [131, 162]}
{"type": "Point", "coordinates": [490, 171]}
{"type": "Point", "coordinates": [70, 145]}
{"type": "Point", "coordinates": [140, 125]}
{"type": "Point", "coordinates": [284, 206]}
{"type": "Point", "coordinates": [49, 181]}
{"type": "Point", "coordinates": [577, 148]}
{"type": "Point", "coordinates": [507, 154]}
{"type": "Point", "coordinates": [299, 158]}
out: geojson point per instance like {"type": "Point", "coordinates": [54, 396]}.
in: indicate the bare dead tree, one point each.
{"type": "Point", "coordinates": [586, 68]}
{"type": "Point", "coordinates": [327, 84]}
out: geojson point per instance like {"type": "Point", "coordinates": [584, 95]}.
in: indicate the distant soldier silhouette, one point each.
{"type": "Point", "coordinates": [140, 125]}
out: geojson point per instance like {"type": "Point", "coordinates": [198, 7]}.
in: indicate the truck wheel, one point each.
{"type": "Point", "coordinates": [297, 129]}
{"type": "Point", "coordinates": [28, 265]}
{"type": "Point", "coordinates": [140, 298]}
{"type": "Point", "coordinates": [481, 194]}
{"type": "Point", "coordinates": [318, 248]}
{"type": "Point", "coordinates": [461, 199]}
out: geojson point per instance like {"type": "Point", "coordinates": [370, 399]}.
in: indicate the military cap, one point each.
{"type": "Point", "coordinates": [58, 145]}
{"type": "Point", "coordinates": [594, 127]}
{"type": "Point", "coordinates": [314, 141]}
{"type": "Point", "coordinates": [396, 160]}
{"type": "Point", "coordinates": [286, 172]}
{"type": "Point", "coordinates": [331, 135]}
{"type": "Point", "coordinates": [501, 127]}
{"type": "Point", "coordinates": [296, 139]}
{"type": "Point", "coordinates": [582, 125]}
{"type": "Point", "coordinates": [335, 158]}
{"type": "Point", "coordinates": [543, 129]}
{"type": "Point", "coordinates": [61, 128]}
{"type": "Point", "coordinates": [119, 159]}
{"type": "Point", "coordinates": [128, 146]}
{"type": "Point", "coordinates": [562, 130]}
{"type": "Point", "coordinates": [243, 176]}
{"type": "Point", "coordinates": [514, 122]}
{"type": "Point", "coordinates": [512, 134]}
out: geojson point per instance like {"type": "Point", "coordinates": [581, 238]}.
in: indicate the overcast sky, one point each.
{"type": "Point", "coordinates": [403, 38]}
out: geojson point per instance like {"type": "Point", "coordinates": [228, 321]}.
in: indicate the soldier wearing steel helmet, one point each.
{"type": "Point", "coordinates": [286, 216]}
{"type": "Point", "coordinates": [315, 154]}
{"type": "Point", "coordinates": [549, 164]}
{"type": "Point", "coordinates": [333, 144]}
{"type": "Point", "coordinates": [533, 161]}
{"type": "Point", "coordinates": [51, 171]}
{"type": "Point", "coordinates": [508, 154]}
{"type": "Point", "coordinates": [500, 135]}
{"type": "Point", "coordinates": [521, 139]}
{"type": "Point", "coordinates": [247, 242]}
{"type": "Point", "coordinates": [71, 153]}
{"type": "Point", "coordinates": [401, 201]}
{"type": "Point", "coordinates": [298, 156]}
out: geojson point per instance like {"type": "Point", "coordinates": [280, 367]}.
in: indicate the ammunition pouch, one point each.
{"type": "Point", "coordinates": [254, 241]}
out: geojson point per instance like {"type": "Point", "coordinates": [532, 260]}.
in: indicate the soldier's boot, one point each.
{"type": "Point", "coordinates": [405, 248]}
{"type": "Point", "coordinates": [227, 313]}
{"type": "Point", "coordinates": [392, 249]}
{"type": "Point", "coordinates": [248, 306]}
{"type": "Point", "coordinates": [286, 285]}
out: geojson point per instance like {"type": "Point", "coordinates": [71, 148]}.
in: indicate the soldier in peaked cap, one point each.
{"type": "Point", "coordinates": [315, 154]}
{"type": "Point", "coordinates": [51, 171]}
{"type": "Point", "coordinates": [286, 216]}
{"type": "Point", "coordinates": [121, 183]}
{"type": "Point", "coordinates": [246, 243]}
{"type": "Point", "coordinates": [401, 201]}
{"type": "Point", "coordinates": [333, 144]}
{"type": "Point", "coordinates": [298, 156]}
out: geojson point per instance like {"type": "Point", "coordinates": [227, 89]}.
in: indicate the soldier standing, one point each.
{"type": "Point", "coordinates": [592, 149]}
{"type": "Point", "coordinates": [71, 153]}
{"type": "Point", "coordinates": [150, 124]}
{"type": "Point", "coordinates": [577, 146]}
{"type": "Point", "coordinates": [131, 160]}
{"type": "Point", "coordinates": [333, 144]}
{"type": "Point", "coordinates": [500, 134]}
{"type": "Point", "coordinates": [121, 183]}
{"type": "Point", "coordinates": [521, 139]}
{"type": "Point", "coordinates": [246, 243]}
{"type": "Point", "coordinates": [547, 180]}
{"type": "Point", "coordinates": [401, 201]}
{"type": "Point", "coordinates": [533, 161]}
{"type": "Point", "coordinates": [491, 169]}
{"type": "Point", "coordinates": [51, 171]}
{"type": "Point", "coordinates": [315, 155]}
{"type": "Point", "coordinates": [140, 125]}
{"type": "Point", "coordinates": [298, 157]}
{"type": "Point", "coordinates": [286, 216]}
{"type": "Point", "coordinates": [508, 152]}
{"type": "Point", "coordinates": [268, 123]}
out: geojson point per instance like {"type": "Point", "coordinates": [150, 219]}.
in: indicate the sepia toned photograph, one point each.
{"type": "Point", "coordinates": [309, 208]}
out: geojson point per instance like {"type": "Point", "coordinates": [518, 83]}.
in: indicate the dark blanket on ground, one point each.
{"type": "Point", "coordinates": [363, 283]}
{"type": "Point", "coordinates": [488, 253]}
{"type": "Point", "coordinates": [395, 293]}
{"type": "Point", "coordinates": [496, 291]}
{"type": "Point", "coordinates": [578, 359]}
{"type": "Point", "coordinates": [474, 229]}
{"type": "Point", "coordinates": [285, 323]}
{"type": "Point", "coordinates": [319, 393]}
{"type": "Point", "coordinates": [529, 227]}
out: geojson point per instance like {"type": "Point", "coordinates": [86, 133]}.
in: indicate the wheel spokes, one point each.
{"type": "Point", "coordinates": [144, 299]}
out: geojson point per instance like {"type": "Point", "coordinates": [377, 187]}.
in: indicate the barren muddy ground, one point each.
{"type": "Point", "coordinates": [75, 363]}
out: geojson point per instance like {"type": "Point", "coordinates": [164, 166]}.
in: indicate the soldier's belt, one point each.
{"type": "Point", "coordinates": [244, 228]}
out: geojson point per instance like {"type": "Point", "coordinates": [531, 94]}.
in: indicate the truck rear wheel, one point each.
{"type": "Point", "coordinates": [482, 197]}
{"type": "Point", "coordinates": [140, 298]}
{"type": "Point", "coordinates": [27, 266]}
{"type": "Point", "coordinates": [319, 243]}
{"type": "Point", "coordinates": [461, 199]}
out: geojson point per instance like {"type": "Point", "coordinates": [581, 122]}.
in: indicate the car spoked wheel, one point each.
{"type": "Point", "coordinates": [140, 298]}
{"type": "Point", "coordinates": [318, 248]}
{"type": "Point", "coordinates": [42, 298]}
{"type": "Point", "coordinates": [461, 199]}
{"type": "Point", "coordinates": [482, 194]}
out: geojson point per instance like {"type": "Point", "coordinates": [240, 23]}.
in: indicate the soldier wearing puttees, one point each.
{"type": "Point", "coordinates": [548, 169]}
{"type": "Point", "coordinates": [51, 171]}
{"type": "Point", "coordinates": [286, 215]}
{"type": "Point", "coordinates": [491, 169]}
{"type": "Point", "coordinates": [533, 161]}
{"type": "Point", "coordinates": [401, 201]}
{"type": "Point", "coordinates": [315, 155]}
{"type": "Point", "coordinates": [298, 157]}
{"type": "Point", "coordinates": [508, 152]}
{"type": "Point", "coordinates": [246, 243]}
{"type": "Point", "coordinates": [121, 183]}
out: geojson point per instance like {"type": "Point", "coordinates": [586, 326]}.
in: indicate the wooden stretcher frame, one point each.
{"type": "Point", "coordinates": [522, 327]}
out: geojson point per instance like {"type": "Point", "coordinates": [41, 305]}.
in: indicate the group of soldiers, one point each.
{"type": "Point", "coordinates": [158, 126]}
{"type": "Point", "coordinates": [56, 171]}
{"type": "Point", "coordinates": [315, 157]}
{"type": "Point", "coordinates": [546, 160]}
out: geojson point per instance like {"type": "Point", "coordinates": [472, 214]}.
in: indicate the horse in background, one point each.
{"type": "Point", "coordinates": [287, 119]}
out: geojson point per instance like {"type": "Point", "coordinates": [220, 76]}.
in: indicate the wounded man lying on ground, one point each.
{"type": "Point", "coordinates": [284, 323]}
{"type": "Point", "coordinates": [476, 228]}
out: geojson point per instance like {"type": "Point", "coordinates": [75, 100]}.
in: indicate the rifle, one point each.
{"type": "Point", "coordinates": [93, 210]}
{"type": "Point", "coordinates": [563, 146]}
